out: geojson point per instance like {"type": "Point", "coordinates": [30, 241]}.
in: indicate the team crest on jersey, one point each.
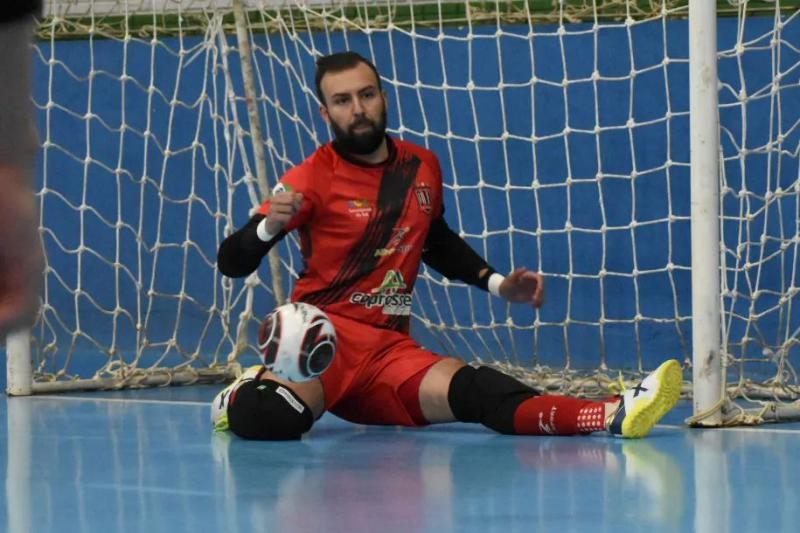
{"type": "Point", "coordinates": [359, 208]}
{"type": "Point", "coordinates": [423, 192]}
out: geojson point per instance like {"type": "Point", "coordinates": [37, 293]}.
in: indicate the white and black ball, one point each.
{"type": "Point", "coordinates": [297, 342]}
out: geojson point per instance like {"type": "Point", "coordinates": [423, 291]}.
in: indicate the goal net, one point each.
{"type": "Point", "coordinates": [563, 132]}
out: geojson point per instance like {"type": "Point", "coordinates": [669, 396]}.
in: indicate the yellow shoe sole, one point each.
{"type": "Point", "coordinates": [647, 413]}
{"type": "Point", "coordinates": [222, 423]}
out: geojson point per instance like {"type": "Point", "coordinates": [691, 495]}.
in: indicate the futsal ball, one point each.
{"type": "Point", "coordinates": [297, 342]}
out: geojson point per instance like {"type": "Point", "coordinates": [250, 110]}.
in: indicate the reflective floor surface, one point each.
{"type": "Point", "coordinates": [146, 461]}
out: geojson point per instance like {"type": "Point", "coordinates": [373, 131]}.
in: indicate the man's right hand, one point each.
{"type": "Point", "coordinates": [282, 208]}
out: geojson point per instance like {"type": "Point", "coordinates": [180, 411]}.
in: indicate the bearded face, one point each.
{"type": "Point", "coordinates": [355, 107]}
{"type": "Point", "coordinates": [363, 136]}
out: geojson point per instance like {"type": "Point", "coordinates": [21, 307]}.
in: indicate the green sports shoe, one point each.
{"type": "Point", "coordinates": [219, 407]}
{"type": "Point", "coordinates": [645, 404]}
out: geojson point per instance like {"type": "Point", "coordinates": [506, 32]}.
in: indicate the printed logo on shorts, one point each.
{"type": "Point", "coordinates": [423, 193]}
{"type": "Point", "coordinates": [359, 208]}
{"type": "Point", "coordinates": [386, 296]}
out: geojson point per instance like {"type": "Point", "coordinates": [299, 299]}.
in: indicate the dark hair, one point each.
{"type": "Point", "coordinates": [338, 62]}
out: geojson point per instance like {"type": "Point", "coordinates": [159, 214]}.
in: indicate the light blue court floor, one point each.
{"type": "Point", "coordinates": [146, 461]}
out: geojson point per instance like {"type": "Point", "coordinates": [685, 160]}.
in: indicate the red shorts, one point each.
{"type": "Point", "coordinates": [371, 364]}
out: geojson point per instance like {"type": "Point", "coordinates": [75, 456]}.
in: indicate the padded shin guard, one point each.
{"type": "Point", "coordinates": [267, 410]}
{"type": "Point", "coordinates": [487, 396]}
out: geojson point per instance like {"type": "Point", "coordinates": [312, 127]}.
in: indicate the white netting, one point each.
{"type": "Point", "coordinates": [759, 70]}
{"type": "Point", "coordinates": [562, 128]}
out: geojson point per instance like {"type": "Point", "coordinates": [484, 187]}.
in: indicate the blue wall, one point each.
{"type": "Point", "coordinates": [657, 192]}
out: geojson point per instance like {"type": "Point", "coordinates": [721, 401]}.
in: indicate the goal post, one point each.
{"type": "Point", "coordinates": [707, 390]}
{"type": "Point", "coordinates": [642, 155]}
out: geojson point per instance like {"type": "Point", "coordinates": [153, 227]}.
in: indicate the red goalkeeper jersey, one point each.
{"type": "Point", "coordinates": [362, 230]}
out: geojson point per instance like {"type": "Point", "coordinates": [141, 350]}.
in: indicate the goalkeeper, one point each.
{"type": "Point", "coordinates": [368, 208]}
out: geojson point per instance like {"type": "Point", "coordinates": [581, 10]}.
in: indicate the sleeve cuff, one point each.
{"type": "Point", "coordinates": [261, 230]}
{"type": "Point", "coordinates": [494, 283]}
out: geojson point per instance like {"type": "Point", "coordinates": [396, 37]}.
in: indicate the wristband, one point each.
{"type": "Point", "coordinates": [494, 283]}
{"type": "Point", "coordinates": [262, 232]}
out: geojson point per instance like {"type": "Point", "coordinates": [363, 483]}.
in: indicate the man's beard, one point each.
{"type": "Point", "coordinates": [362, 143]}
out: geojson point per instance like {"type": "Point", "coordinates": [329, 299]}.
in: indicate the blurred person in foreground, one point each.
{"type": "Point", "coordinates": [21, 258]}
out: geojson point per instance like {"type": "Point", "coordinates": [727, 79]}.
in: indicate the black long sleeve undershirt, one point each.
{"type": "Point", "coordinates": [449, 255]}
{"type": "Point", "coordinates": [240, 254]}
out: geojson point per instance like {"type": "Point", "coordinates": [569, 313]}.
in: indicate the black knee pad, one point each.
{"type": "Point", "coordinates": [267, 410]}
{"type": "Point", "coordinates": [487, 396]}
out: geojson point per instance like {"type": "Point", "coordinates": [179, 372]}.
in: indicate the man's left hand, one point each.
{"type": "Point", "coordinates": [523, 286]}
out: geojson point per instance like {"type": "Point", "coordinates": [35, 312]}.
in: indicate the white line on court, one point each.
{"type": "Point", "coordinates": [114, 400]}
{"type": "Point", "coordinates": [761, 429]}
